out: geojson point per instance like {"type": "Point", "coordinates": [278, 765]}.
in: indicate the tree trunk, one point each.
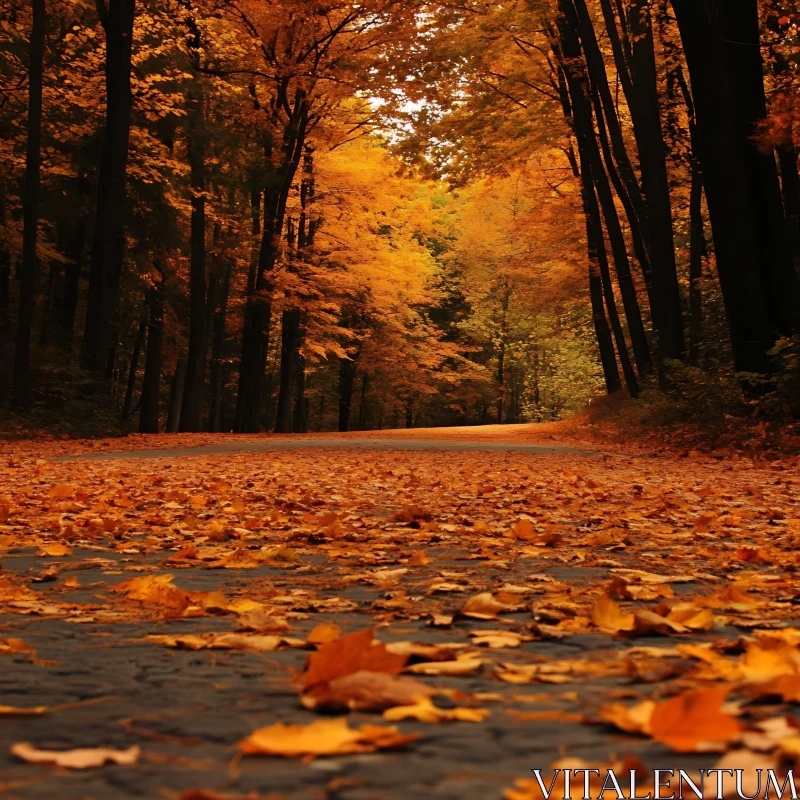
{"type": "Point", "coordinates": [347, 374]}
{"type": "Point", "coordinates": [151, 384]}
{"type": "Point", "coordinates": [290, 340]}
{"type": "Point", "coordinates": [599, 259]}
{"type": "Point", "coordinates": [501, 359]}
{"type": "Point", "coordinates": [5, 282]}
{"type": "Point", "coordinates": [108, 241]}
{"type": "Point", "coordinates": [594, 183]}
{"type": "Point", "coordinates": [191, 418]}
{"type": "Point", "coordinates": [759, 285]}
{"type": "Point", "coordinates": [696, 253]}
{"type": "Point", "coordinates": [362, 410]}
{"type": "Point", "coordinates": [300, 413]}
{"type": "Point", "coordinates": [630, 300]}
{"type": "Point", "coordinates": [292, 328]}
{"type": "Point", "coordinates": [47, 305]}
{"type": "Point", "coordinates": [790, 189]}
{"type": "Point", "coordinates": [134, 366]}
{"type": "Point", "coordinates": [640, 84]}
{"type": "Point", "coordinates": [72, 279]}
{"type": "Point", "coordinates": [219, 322]}
{"type": "Point", "coordinates": [30, 209]}
{"type": "Point", "coordinates": [258, 310]}
{"type": "Point", "coordinates": [176, 395]}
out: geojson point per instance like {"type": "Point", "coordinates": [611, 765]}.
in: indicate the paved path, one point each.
{"type": "Point", "coordinates": [329, 444]}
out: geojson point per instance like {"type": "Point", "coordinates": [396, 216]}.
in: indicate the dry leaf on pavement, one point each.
{"type": "Point", "coordinates": [323, 737]}
{"type": "Point", "coordinates": [82, 758]}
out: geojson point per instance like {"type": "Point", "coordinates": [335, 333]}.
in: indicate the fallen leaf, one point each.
{"type": "Point", "coordinates": [355, 652]}
{"type": "Point", "coordinates": [693, 721]}
{"type": "Point", "coordinates": [82, 758]}
{"type": "Point", "coordinates": [365, 691]}
{"type": "Point", "coordinates": [322, 738]}
{"type": "Point", "coordinates": [608, 616]}
{"type": "Point", "coordinates": [423, 710]}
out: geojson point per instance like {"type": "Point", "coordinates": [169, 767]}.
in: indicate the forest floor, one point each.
{"type": "Point", "coordinates": [382, 619]}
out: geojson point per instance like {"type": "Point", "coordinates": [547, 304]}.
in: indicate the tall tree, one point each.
{"type": "Point", "coordinates": [634, 56]}
{"type": "Point", "coordinates": [721, 41]}
{"type": "Point", "coordinates": [151, 385]}
{"type": "Point", "coordinates": [108, 240]}
{"type": "Point", "coordinates": [30, 207]}
{"type": "Point", "coordinates": [191, 414]}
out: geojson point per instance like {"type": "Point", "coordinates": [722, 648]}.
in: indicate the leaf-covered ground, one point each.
{"type": "Point", "coordinates": [363, 624]}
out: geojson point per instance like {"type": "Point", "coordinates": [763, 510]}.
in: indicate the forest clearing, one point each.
{"type": "Point", "coordinates": [399, 399]}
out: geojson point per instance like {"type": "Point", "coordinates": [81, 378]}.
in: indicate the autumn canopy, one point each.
{"type": "Point", "coordinates": [292, 216]}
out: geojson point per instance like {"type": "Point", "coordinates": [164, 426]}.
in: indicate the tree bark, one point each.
{"type": "Point", "coordinates": [191, 418]}
{"type": "Point", "coordinates": [290, 353]}
{"type": "Point", "coordinates": [599, 264]}
{"type": "Point", "coordinates": [696, 253]}
{"type": "Point", "coordinates": [640, 84]}
{"type": "Point", "coordinates": [790, 190]}
{"type": "Point", "coordinates": [134, 366]}
{"type": "Point", "coordinates": [347, 374]}
{"type": "Point", "coordinates": [176, 395]}
{"type": "Point", "coordinates": [218, 326]}
{"type": "Point", "coordinates": [5, 282]}
{"type": "Point", "coordinates": [108, 241]}
{"type": "Point", "coordinates": [619, 251]}
{"type": "Point", "coordinates": [594, 184]}
{"type": "Point", "coordinates": [258, 310]}
{"type": "Point", "coordinates": [362, 408]}
{"type": "Point", "coordinates": [72, 279]}
{"type": "Point", "coordinates": [759, 286]}
{"type": "Point", "coordinates": [291, 392]}
{"type": "Point", "coordinates": [151, 383]}
{"type": "Point", "coordinates": [300, 413]}
{"type": "Point", "coordinates": [697, 239]}
{"type": "Point", "coordinates": [30, 210]}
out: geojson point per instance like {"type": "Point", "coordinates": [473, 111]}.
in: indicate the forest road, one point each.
{"type": "Point", "coordinates": [329, 444]}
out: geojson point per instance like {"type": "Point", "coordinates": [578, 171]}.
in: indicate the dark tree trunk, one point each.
{"type": "Point", "coordinates": [5, 282]}
{"type": "Point", "coordinates": [291, 392]}
{"type": "Point", "coordinates": [290, 353]}
{"type": "Point", "coordinates": [594, 183]}
{"type": "Point", "coordinates": [108, 241]}
{"type": "Point", "coordinates": [151, 383]}
{"type": "Point", "coordinates": [636, 65]}
{"type": "Point", "coordinates": [759, 284]}
{"type": "Point", "coordinates": [501, 378]}
{"type": "Point", "coordinates": [134, 366]}
{"type": "Point", "coordinates": [409, 414]}
{"type": "Point", "coordinates": [599, 260]}
{"type": "Point", "coordinates": [576, 16]}
{"type": "Point", "coordinates": [176, 395]}
{"type": "Point", "coordinates": [243, 411]}
{"type": "Point", "coordinates": [347, 374]}
{"type": "Point", "coordinates": [258, 310]}
{"type": "Point", "coordinates": [790, 189]}
{"type": "Point", "coordinates": [300, 413]}
{"type": "Point", "coordinates": [218, 325]}
{"type": "Point", "coordinates": [47, 306]}
{"type": "Point", "coordinates": [697, 246]}
{"type": "Point", "coordinates": [603, 333]}
{"type": "Point", "coordinates": [630, 300]}
{"type": "Point", "coordinates": [30, 210]}
{"type": "Point", "coordinates": [362, 409]}
{"type": "Point", "coordinates": [191, 418]}
{"type": "Point", "coordinates": [697, 239]}
{"type": "Point", "coordinates": [72, 279]}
